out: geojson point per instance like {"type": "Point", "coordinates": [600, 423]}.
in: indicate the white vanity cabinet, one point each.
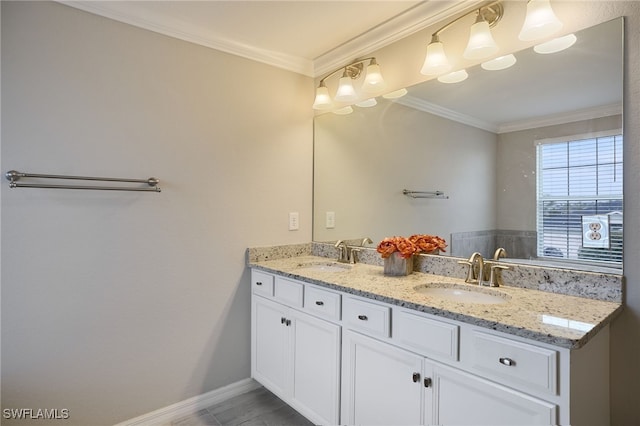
{"type": "Point", "coordinates": [343, 359]}
{"type": "Point", "coordinates": [381, 383]}
{"type": "Point", "coordinates": [385, 384]}
{"type": "Point", "coordinates": [294, 354]}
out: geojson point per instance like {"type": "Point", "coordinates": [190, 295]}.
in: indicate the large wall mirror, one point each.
{"type": "Point", "coordinates": [477, 142]}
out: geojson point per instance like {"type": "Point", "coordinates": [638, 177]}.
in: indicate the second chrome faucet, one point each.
{"type": "Point", "coordinates": [477, 272]}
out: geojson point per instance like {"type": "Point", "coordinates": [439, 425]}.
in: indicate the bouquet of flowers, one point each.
{"type": "Point", "coordinates": [407, 247]}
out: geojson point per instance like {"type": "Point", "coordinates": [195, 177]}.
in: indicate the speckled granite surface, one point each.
{"type": "Point", "coordinates": [594, 285]}
{"type": "Point", "coordinates": [260, 254]}
{"type": "Point", "coordinates": [560, 320]}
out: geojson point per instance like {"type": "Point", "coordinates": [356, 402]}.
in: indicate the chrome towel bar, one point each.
{"type": "Point", "coordinates": [14, 176]}
{"type": "Point", "coordinates": [424, 194]}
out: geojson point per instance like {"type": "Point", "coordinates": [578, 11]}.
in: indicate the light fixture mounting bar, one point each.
{"type": "Point", "coordinates": [353, 70]}
{"type": "Point", "coordinates": [491, 12]}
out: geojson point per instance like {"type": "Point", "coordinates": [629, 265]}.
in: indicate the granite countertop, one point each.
{"type": "Point", "coordinates": [556, 319]}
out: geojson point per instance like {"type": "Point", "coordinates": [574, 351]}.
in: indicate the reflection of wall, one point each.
{"type": "Point", "coordinates": [516, 167]}
{"type": "Point", "coordinates": [518, 244]}
{"type": "Point", "coordinates": [361, 169]}
{"type": "Point", "coordinates": [400, 69]}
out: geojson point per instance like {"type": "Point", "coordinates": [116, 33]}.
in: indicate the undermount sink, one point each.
{"type": "Point", "coordinates": [463, 293]}
{"type": "Point", "coordinates": [325, 266]}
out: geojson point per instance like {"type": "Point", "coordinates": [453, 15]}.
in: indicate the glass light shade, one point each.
{"type": "Point", "coordinates": [367, 103]}
{"type": "Point", "coordinates": [323, 100]}
{"type": "Point", "coordinates": [540, 22]}
{"type": "Point", "coordinates": [481, 43]}
{"type": "Point", "coordinates": [344, 111]}
{"type": "Point", "coordinates": [556, 45]}
{"type": "Point", "coordinates": [395, 94]}
{"type": "Point", "coordinates": [346, 92]}
{"type": "Point", "coordinates": [499, 63]}
{"type": "Point", "coordinates": [436, 61]}
{"type": "Point", "coordinates": [454, 77]}
{"type": "Point", "coordinates": [373, 82]}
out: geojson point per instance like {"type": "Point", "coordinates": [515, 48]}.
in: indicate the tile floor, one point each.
{"type": "Point", "coordinates": [257, 407]}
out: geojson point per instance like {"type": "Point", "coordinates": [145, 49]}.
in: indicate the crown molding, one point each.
{"type": "Point", "coordinates": [161, 25]}
{"type": "Point", "coordinates": [562, 118]}
{"type": "Point", "coordinates": [534, 123]}
{"type": "Point", "coordinates": [411, 21]}
{"type": "Point", "coordinates": [422, 105]}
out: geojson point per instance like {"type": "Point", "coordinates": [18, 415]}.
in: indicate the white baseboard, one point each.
{"type": "Point", "coordinates": [192, 405]}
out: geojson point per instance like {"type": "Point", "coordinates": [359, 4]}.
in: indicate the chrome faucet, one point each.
{"type": "Point", "coordinates": [481, 273]}
{"type": "Point", "coordinates": [476, 268]}
{"type": "Point", "coordinates": [495, 268]}
{"type": "Point", "coordinates": [343, 251]}
{"type": "Point", "coordinates": [353, 255]}
{"type": "Point", "coordinates": [495, 276]}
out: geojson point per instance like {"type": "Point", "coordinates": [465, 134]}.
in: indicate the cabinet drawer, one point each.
{"type": "Point", "coordinates": [515, 363]}
{"type": "Point", "coordinates": [261, 283]}
{"type": "Point", "coordinates": [365, 316]}
{"type": "Point", "coordinates": [428, 337]}
{"type": "Point", "coordinates": [322, 302]}
{"type": "Point", "coordinates": [289, 292]}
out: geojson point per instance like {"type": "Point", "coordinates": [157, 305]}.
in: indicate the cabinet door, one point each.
{"type": "Point", "coordinates": [381, 384]}
{"type": "Point", "coordinates": [463, 399]}
{"type": "Point", "coordinates": [316, 368]}
{"type": "Point", "coordinates": [270, 335]}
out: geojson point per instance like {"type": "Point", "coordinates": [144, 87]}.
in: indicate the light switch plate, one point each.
{"type": "Point", "coordinates": [330, 220]}
{"type": "Point", "coordinates": [294, 221]}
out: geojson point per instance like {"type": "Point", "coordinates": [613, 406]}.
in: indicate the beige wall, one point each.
{"type": "Point", "coordinates": [516, 168]}
{"type": "Point", "coordinates": [364, 160]}
{"type": "Point", "coordinates": [115, 304]}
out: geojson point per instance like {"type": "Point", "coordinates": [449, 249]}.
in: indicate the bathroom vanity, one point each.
{"type": "Point", "coordinates": [344, 344]}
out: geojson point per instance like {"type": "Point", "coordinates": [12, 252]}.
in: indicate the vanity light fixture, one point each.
{"type": "Point", "coordinates": [556, 45]}
{"type": "Point", "coordinates": [372, 84]}
{"type": "Point", "coordinates": [436, 61]}
{"type": "Point", "coordinates": [480, 45]}
{"type": "Point", "coordinates": [540, 21]}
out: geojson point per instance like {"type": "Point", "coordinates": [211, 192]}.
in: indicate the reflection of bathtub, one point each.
{"type": "Point", "coordinates": [580, 266]}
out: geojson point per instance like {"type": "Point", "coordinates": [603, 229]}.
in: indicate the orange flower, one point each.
{"type": "Point", "coordinates": [428, 243]}
{"type": "Point", "coordinates": [390, 245]}
{"type": "Point", "coordinates": [407, 247]}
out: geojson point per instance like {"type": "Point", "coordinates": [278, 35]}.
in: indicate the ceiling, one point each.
{"type": "Point", "coordinates": [315, 37]}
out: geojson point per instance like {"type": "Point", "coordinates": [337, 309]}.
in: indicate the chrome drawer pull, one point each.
{"type": "Point", "coordinates": [319, 302]}
{"type": "Point", "coordinates": [507, 361]}
{"type": "Point", "coordinates": [362, 317]}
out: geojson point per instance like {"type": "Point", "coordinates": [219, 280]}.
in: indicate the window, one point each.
{"type": "Point", "coordinates": [580, 185]}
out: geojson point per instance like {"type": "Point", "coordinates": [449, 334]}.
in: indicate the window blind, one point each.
{"type": "Point", "coordinates": [579, 199]}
